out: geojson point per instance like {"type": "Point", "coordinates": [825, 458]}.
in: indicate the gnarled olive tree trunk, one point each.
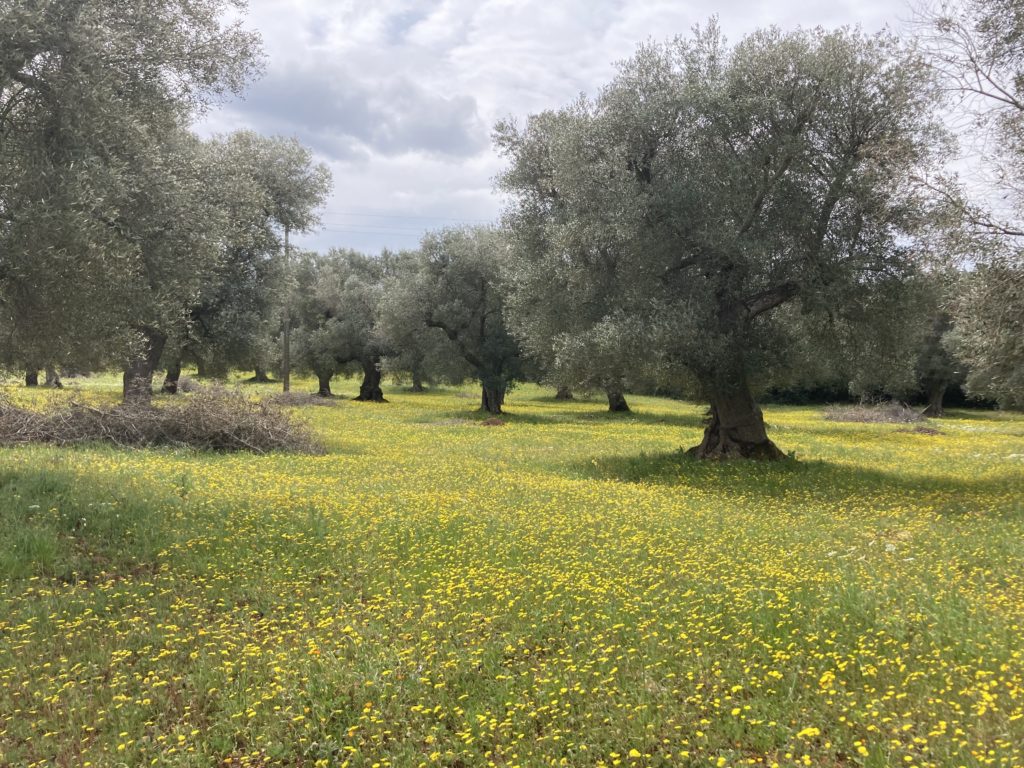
{"type": "Point", "coordinates": [137, 381]}
{"type": "Point", "coordinates": [735, 429]}
{"type": "Point", "coordinates": [324, 384]}
{"type": "Point", "coordinates": [369, 390]}
{"type": "Point", "coordinates": [616, 401]}
{"type": "Point", "coordinates": [563, 393]}
{"type": "Point", "coordinates": [417, 380]}
{"type": "Point", "coordinates": [492, 397]}
{"type": "Point", "coordinates": [171, 378]}
{"type": "Point", "coordinates": [936, 394]}
{"type": "Point", "coordinates": [260, 375]}
{"type": "Point", "coordinates": [53, 378]}
{"type": "Point", "coordinates": [31, 378]}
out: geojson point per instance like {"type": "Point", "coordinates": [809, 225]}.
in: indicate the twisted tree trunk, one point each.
{"type": "Point", "coordinates": [563, 393]}
{"type": "Point", "coordinates": [369, 390]}
{"type": "Point", "coordinates": [417, 381]}
{"type": "Point", "coordinates": [31, 378]}
{"type": "Point", "coordinates": [936, 394]}
{"type": "Point", "coordinates": [735, 429]}
{"type": "Point", "coordinates": [137, 381]}
{"type": "Point", "coordinates": [324, 389]}
{"type": "Point", "coordinates": [171, 378]}
{"type": "Point", "coordinates": [260, 376]}
{"type": "Point", "coordinates": [616, 401]}
{"type": "Point", "coordinates": [492, 397]}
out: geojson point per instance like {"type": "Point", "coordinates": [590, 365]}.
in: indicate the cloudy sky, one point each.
{"type": "Point", "coordinates": [399, 96]}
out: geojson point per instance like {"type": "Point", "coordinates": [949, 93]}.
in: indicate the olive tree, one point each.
{"type": "Point", "coordinates": [295, 186]}
{"type": "Point", "coordinates": [712, 185]}
{"type": "Point", "coordinates": [978, 49]}
{"type": "Point", "coordinates": [338, 313]}
{"type": "Point", "coordinates": [178, 228]}
{"type": "Point", "coordinates": [94, 100]}
{"type": "Point", "coordinates": [268, 187]}
{"type": "Point", "coordinates": [424, 354]}
{"type": "Point", "coordinates": [988, 331]}
{"type": "Point", "coordinates": [456, 289]}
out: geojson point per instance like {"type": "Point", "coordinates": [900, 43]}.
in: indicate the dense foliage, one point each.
{"type": "Point", "coordinates": [707, 186]}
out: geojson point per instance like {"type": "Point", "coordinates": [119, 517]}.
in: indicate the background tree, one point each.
{"type": "Point", "coordinates": [938, 368]}
{"type": "Point", "coordinates": [296, 187]}
{"type": "Point", "coordinates": [563, 322]}
{"type": "Point", "coordinates": [422, 353]}
{"type": "Point", "coordinates": [178, 226]}
{"type": "Point", "coordinates": [892, 347]}
{"type": "Point", "coordinates": [93, 100]}
{"type": "Point", "coordinates": [732, 181]}
{"type": "Point", "coordinates": [988, 332]}
{"type": "Point", "coordinates": [457, 290]}
{"type": "Point", "coordinates": [341, 293]}
{"type": "Point", "coordinates": [239, 306]}
{"type": "Point", "coordinates": [978, 48]}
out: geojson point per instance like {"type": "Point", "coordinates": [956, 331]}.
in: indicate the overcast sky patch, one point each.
{"type": "Point", "coordinates": [399, 96]}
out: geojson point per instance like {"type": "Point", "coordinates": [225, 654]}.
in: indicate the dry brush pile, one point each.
{"type": "Point", "coordinates": [213, 419]}
{"type": "Point", "coordinates": [881, 413]}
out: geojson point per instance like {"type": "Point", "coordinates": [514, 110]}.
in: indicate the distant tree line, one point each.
{"type": "Point", "coordinates": [719, 222]}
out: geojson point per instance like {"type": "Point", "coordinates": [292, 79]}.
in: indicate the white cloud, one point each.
{"type": "Point", "coordinates": [398, 96]}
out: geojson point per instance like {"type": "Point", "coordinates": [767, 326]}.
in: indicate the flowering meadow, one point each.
{"type": "Point", "coordinates": [564, 589]}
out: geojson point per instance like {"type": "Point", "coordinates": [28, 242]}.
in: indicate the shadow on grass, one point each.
{"type": "Point", "coordinates": [58, 524]}
{"type": "Point", "coordinates": [573, 416]}
{"type": "Point", "coordinates": [791, 477]}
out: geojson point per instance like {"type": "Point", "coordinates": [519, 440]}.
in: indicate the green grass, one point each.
{"type": "Point", "coordinates": [566, 589]}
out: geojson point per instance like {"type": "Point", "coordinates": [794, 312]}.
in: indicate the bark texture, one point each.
{"type": "Point", "coordinates": [31, 378]}
{"type": "Point", "coordinates": [736, 430]}
{"type": "Point", "coordinates": [137, 381]}
{"type": "Point", "coordinates": [492, 398]}
{"type": "Point", "coordinates": [936, 394]}
{"type": "Point", "coordinates": [260, 376]}
{"type": "Point", "coordinates": [369, 390]}
{"type": "Point", "coordinates": [563, 393]}
{"type": "Point", "coordinates": [324, 387]}
{"type": "Point", "coordinates": [171, 378]}
{"type": "Point", "coordinates": [417, 381]}
{"type": "Point", "coordinates": [617, 401]}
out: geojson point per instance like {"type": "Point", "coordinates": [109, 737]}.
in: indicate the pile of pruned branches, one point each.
{"type": "Point", "coordinates": [213, 419]}
{"type": "Point", "coordinates": [880, 413]}
{"type": "Point", "coordinates": [297, 399]}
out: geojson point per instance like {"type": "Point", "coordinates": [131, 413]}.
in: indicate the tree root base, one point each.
{"type": "Point", "coordinates": [724, 450]}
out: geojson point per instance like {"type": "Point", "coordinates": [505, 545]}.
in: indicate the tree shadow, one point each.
{"type": "Point", "coordinates": [682, 420]}
{"type": "Point", "coordinates": [790, 478]}
{"type": "Point", "coordinates": [576, 416]}
{"type": "Point", "coordinates": [69, 527]}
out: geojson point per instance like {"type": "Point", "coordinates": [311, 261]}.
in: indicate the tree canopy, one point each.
{"type": "Point", "coordinates": [710, 184]}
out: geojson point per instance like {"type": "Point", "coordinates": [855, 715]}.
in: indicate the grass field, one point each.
{"type": "Point", "coordinates": [566, 589]}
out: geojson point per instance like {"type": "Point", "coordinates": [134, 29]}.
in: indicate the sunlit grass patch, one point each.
{"type": "Point", "coordinates": [568, 589]}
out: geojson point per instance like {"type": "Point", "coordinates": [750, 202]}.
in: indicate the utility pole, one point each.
{"type": "Point", "coordinates": [286, 352]}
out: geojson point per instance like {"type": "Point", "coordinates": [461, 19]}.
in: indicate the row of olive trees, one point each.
{"type": "Point", "coordinates": [124, 238]}
{"type": "Point", "coordinates": [722, 216]}
{"type": "Point", "coordinates": [718, 219]}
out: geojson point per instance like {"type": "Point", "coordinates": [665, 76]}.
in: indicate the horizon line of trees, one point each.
{"type": "Point", "coordinates": [720, 220]}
